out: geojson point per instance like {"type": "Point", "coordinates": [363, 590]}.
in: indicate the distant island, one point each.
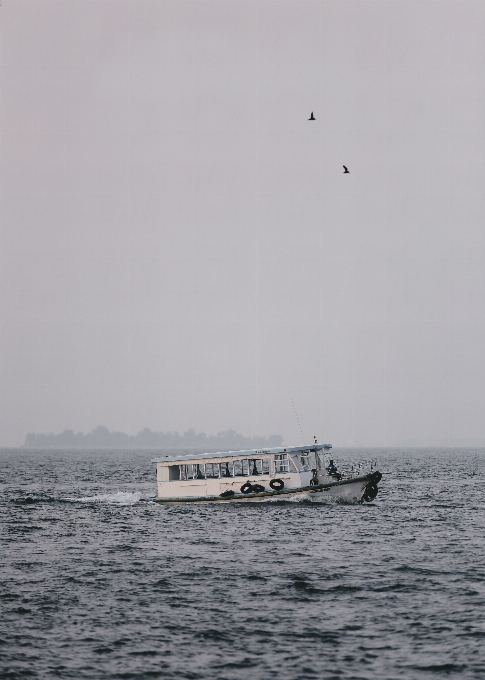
{"type": "Point", "coordinates": [102, 438]}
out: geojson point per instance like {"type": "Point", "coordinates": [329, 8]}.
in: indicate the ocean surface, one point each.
{"type": "Point", "coordinates": [97, 583]}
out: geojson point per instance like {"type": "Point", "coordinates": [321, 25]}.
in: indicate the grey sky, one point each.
{"type": "Point", "coordinates": [180, 247]}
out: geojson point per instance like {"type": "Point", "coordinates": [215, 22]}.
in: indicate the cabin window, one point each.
{"type": "Point", "coordinates": [192, 471]}
{"type": "Point", "coordinates": [238, 468]}
{"type": "Point", "coordinates": [281, 463]}
{"type": "Point", "coordinates": [173, 473]}
{"type": "Point", "coordinates": [305, 460]}
{"type": "Point", "coordinates": [227, 469]}
{"type": "Point", "coordinates": [211, 470]}
{"type": "Point", "coordinates": [253, 466]}
{"type": "Point", "coordinates": [258, 466]}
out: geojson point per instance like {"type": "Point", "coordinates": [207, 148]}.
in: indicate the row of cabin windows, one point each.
{"type": "Point", "coordinates": [246, 467]}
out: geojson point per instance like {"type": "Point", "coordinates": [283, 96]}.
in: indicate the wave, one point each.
{"type": "Point", "coordinates": [287, 498]}
{"type": "Point", "coordinates": [118, 498]}
{"type": "Point", "coordinates": [307, 498]}
{"type": "Point", "coordinates": [132, 497]}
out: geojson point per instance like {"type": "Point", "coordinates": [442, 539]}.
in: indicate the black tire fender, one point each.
{"type": "Point", "coordinates": [247, 487]}
{"type": "Point", "coordinates": [277, 484]}
{"type": "Point", "coordinates": [370, 492]}
{"type": "Point", "coordinates": [227, 494]}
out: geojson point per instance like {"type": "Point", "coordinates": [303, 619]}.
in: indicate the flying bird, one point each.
{"type": "Point", "coordinates": [312, 117]}
{"type": "Point", "coordinates": [346, 170]}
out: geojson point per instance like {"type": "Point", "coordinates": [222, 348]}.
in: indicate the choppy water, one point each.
{"type": "Point", "coordinates": [96, 584]}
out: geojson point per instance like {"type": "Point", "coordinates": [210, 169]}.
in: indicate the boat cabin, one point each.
{"type": "Point", "coordinates": [213, 474]}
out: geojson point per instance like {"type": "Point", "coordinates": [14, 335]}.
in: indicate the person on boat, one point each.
{"type": "Point", "coordinates": [332, 470]}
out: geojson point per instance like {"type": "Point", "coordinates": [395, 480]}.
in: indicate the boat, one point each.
{"type": "Point", "coordinates": [283, 473]}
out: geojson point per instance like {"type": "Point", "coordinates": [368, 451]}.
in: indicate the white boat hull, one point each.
{"type": "Point", "coordinates": [350, 490]}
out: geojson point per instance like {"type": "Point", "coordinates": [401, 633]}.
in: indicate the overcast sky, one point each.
{"type": "Point", "coordinates": [180, 247]}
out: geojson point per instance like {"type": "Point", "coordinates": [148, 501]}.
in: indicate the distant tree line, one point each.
{"type": "Point", "coordinates": [102, 438]}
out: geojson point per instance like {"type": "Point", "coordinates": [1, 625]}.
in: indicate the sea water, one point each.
{"type": "Point", "coordinates": [98, 583]}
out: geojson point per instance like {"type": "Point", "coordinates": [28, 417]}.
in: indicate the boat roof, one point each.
{"type": "Point", "coordinates": [250, 453]}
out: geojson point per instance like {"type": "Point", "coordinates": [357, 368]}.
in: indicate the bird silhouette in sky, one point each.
{"type": "Point", "coordinates": [312, 117]}
{"type": "Point", "coordinates": [346, 170]}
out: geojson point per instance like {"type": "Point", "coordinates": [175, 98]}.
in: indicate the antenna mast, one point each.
{"type": "Point", "coordinates": [298, 421]}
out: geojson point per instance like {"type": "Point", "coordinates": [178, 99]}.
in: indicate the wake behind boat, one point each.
{"type": "Point", "coordinates": [255, 475]}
